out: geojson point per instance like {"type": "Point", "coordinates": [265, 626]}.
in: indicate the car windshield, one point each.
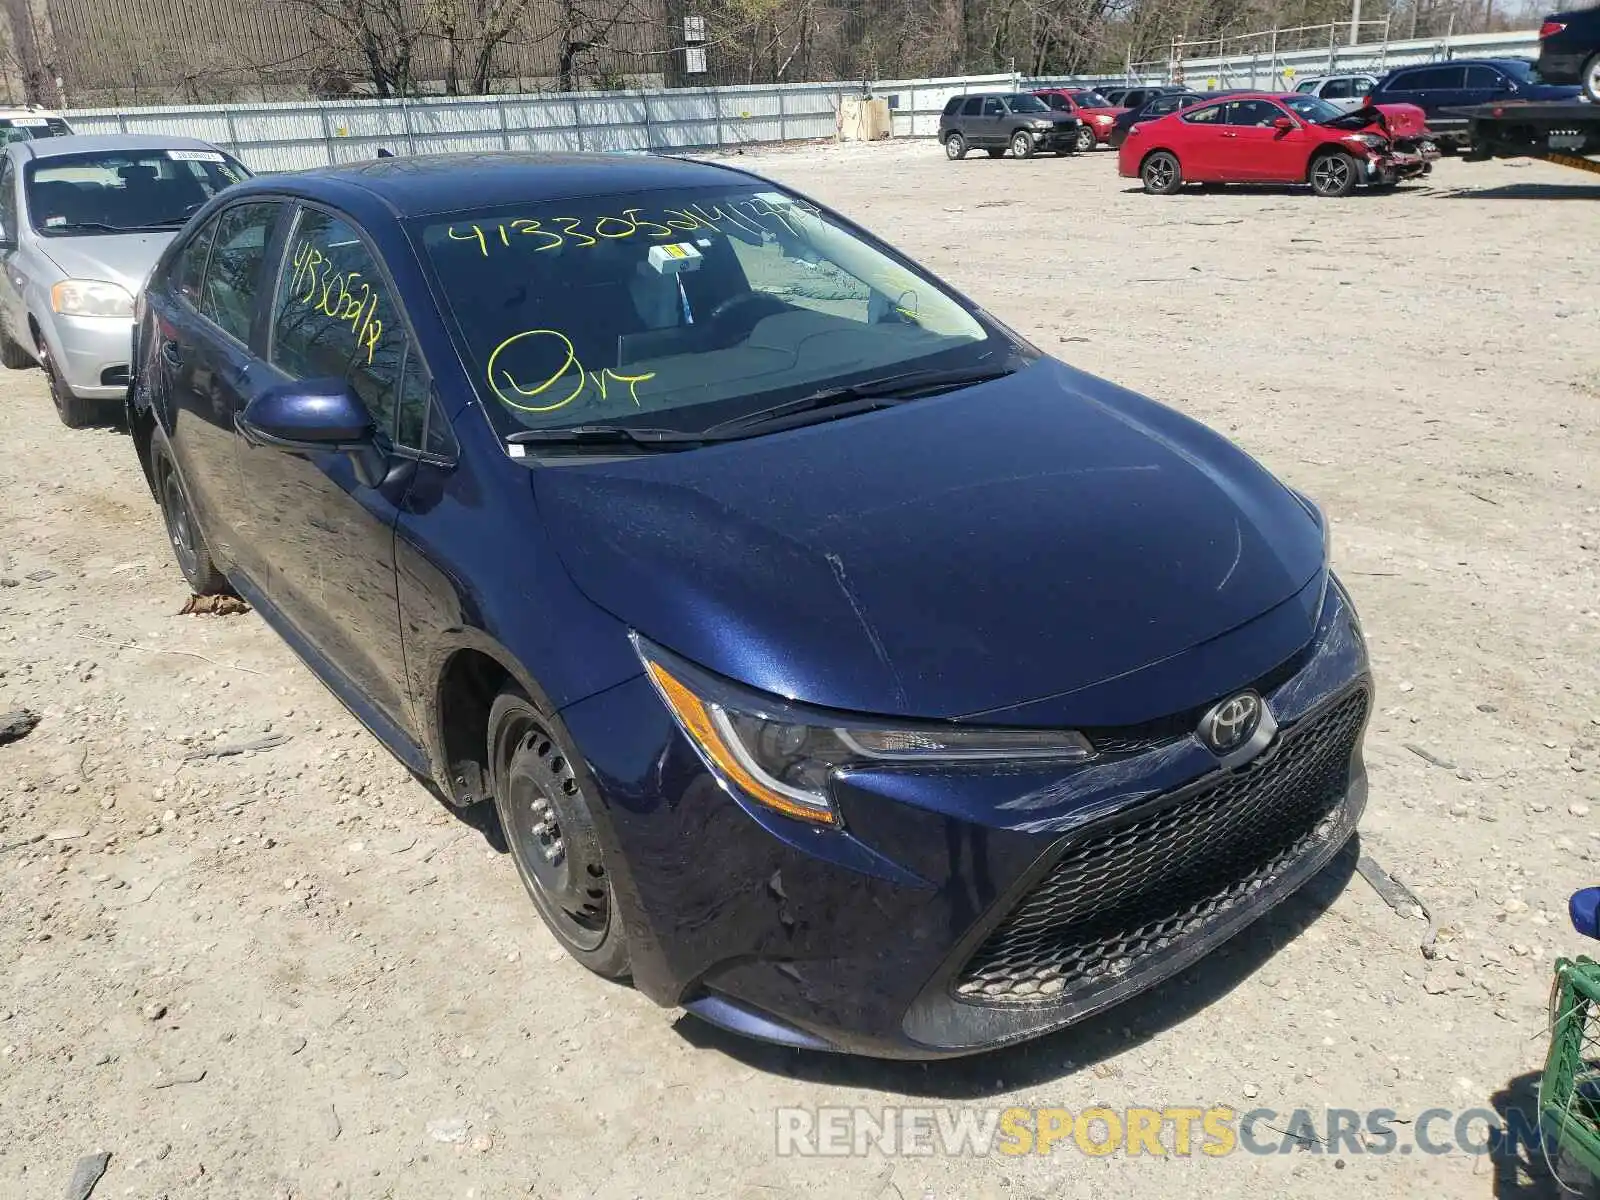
{"type": "Point", "coordinates": [1314, 108]}
{"type": "Point", "coordinates": [1092, 100]}
{"type": "Point", "coordinates": [24, 129]}
{"type": "Point", "coordinates": [122, 191]}
{"type": "Point", "coordinates": [1021, 102]}
{"type": "Point", "coordinates": [684, 308]}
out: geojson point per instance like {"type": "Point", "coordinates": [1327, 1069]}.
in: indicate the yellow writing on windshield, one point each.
{"type": "Point", "coordinates": [538, 344]}
{"type": "Point", "coordinates": [756, 216]}
{"type": "Point", "coordinates": [339, 295]}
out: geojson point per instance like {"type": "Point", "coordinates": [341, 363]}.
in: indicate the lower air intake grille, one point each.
{"type": "Point", "coordinates": [1128, 889]}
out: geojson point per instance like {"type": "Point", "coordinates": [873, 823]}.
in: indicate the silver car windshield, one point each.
{"type": "Point", "coordinates": [121, 191]}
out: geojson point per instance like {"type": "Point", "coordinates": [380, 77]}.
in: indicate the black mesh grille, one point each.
{"type": "Point", "coordinates": [1129, 890]}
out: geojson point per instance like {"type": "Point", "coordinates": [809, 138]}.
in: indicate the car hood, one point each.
{"type": "Point", "coordinates": [1395, 120]}
{"type": "Point", "coordinates": [121, 258]}
{"type": "Point", "coordinates": [952, 556]}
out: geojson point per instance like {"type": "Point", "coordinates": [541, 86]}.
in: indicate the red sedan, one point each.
{"type": "Point", "coordinates": [1096, 112]}
{"type": "Point", "coordinates": [1272, 138]}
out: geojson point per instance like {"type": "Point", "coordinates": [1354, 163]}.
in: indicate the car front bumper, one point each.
{"type": "Point", "coordinates": [961, 909]}
{"type": "Point", "coordinates": [92, 354]}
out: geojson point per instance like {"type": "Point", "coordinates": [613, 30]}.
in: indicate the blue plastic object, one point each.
{"type": "Point", "coordinates": [1585, 910]}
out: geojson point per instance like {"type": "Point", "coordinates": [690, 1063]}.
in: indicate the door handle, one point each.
{"type": "Point", "coordinates": [170, 352]}
{"type": "Point", "coordinates": [1225, 133]}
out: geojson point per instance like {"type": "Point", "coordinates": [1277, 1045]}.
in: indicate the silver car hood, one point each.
{"type": "Point", "coordinates": [121, 258]}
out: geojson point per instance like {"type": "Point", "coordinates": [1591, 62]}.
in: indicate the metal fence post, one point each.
{"type": "Point", "coordinates": [405, 121]}
{"type": "Point", "coordinates": [577, 121]}
{"type": "Point", "coordinates": [505, 132]}
{"type": "Point", "coordinates": [783, 129]}
{"type": "Point", "coordinates": [233, 133]}
{"type": "Point", "coordinates": [327, 134]}
{"type": "Point", "coordinates": [649, 127]}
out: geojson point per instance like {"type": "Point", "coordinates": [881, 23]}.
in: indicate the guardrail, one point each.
{"type": "Point", "coordinates": [297, 135]}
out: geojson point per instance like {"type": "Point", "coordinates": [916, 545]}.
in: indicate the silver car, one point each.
{"type": "Point", "coordinates": [82, 221]}
{"type": "Point", "coordinates": [1348, 92]}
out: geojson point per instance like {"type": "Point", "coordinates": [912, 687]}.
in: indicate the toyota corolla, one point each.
{"type": "Point", "coordinates": [842, 669]}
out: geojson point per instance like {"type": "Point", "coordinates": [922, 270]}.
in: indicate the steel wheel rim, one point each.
{"type": "Point", "coordinates": [1158, 171]}
{"type": "Point", "coordinates": [1331, 173]}
{"type": "Point", "coordinates": [48, 366]}
{"type": "Point", "coordinates": [1020, 145]}
{"type": "Point", "coordinates": [540, 792]}
{"type": "Point", "coordinates": [952, 146]}
{"type": "Point", "coordinates": [179, 528]}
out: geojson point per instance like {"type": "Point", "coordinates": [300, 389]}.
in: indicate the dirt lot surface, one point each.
{"type": "Point", "coordinates": [292, 973]}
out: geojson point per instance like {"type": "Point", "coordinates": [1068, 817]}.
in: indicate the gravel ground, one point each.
{"type": "Point", "coordinates": [292, 973]}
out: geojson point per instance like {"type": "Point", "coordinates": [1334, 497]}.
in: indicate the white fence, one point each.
{"type": "Point", "coordinates": [294, 136]}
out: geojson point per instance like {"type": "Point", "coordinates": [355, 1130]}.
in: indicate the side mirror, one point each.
{"type": "Point", "coordinates": [1283, 125]}
{"type": "Point", "coordinates": [321, 415]}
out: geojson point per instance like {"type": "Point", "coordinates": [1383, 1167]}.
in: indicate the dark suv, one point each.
{"type": "Point", "coordinates": [995, 121]}
{"type": "Point", "coordinates": [1438, 87]}
{"type": "Point", "coordinates": [1569, 50]}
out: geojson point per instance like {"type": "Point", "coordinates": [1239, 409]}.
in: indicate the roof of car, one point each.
{"type": "Point", "coordinates": [89, 143]}
{"type": "Point", "coordinates": [439, 183]}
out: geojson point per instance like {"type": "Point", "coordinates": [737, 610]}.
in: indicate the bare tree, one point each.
{"type": "Point", "coordinates": [381, 40]}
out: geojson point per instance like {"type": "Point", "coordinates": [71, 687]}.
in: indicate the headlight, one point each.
{"type": "Point", "coordinates": [1371, 141]}
{"type": "Point", "coordinates": [1102, 119]}
{"type": "Point", "coordinates": [1041, 123]}
{"type": "Point", "coordinates": [90, 298]}
{"type": "Point", "coordinates": [784, 757]}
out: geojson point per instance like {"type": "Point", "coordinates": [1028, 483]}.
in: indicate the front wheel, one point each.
{"type": "Point", "coordinates": [1021, 145]}
{"type": "Point", "coordinates": [549, 828]}
{"type": "Point", "coordinates": [1334, 175]}
{"type": "Point", "coordinates": [1591, 79]}
{"type": "Point", "coordinates": [1085, 139]}
{"type": "Point", "coordinates": [955, 146]}
{"type": "Point", "coordinates": [1161, 174]}
{"type": "Point", "coordinates": [75, 412]}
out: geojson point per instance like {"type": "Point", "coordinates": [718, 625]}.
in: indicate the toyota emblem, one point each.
{"type": "Point", "coordinates": [1229, 724]}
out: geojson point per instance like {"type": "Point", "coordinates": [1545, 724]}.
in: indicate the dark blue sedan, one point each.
{"type": "Point", "coordinates": [841, 668]}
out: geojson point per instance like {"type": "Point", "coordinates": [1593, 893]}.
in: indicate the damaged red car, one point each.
{"type": "Point", "coordinates": [1273, 138]}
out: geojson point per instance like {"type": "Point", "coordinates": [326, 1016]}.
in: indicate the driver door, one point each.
{"type": "Point", "coordinates": [1254, 149]}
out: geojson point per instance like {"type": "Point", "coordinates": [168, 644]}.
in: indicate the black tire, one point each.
{"type": "Point", "coordinates": [12, 355]}
{"type": "Point", "coordinates": [549, 827]}
{"type": "Point", "coordinates": [993, 153]}
{"type": "Point", "coordinates": [75, 412]}
{"type": "Point", "coordinates": [1085, 140]}
{"type": "Point", "coordinates": [1591, 79]}
{"type": "Point", "coordinates": [189, 546]}
{"type": "Point", "coordinates": [1021, 144]}
{"type": "Point", "coordinates": [1334, 175]}
{"type": "Point", "coordinates": [955, 147]}
{"type": "Point", "coordinates": [1161, 173]}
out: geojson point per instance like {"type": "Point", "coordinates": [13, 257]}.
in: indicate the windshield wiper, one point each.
{"type": "Point", "coordinates": [99, 226]}
{"type": "Point", "coordinates": [607, 435]}
{"type": "Point", "coordinates": [864, 396]}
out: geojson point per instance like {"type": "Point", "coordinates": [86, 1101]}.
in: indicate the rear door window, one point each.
{"type": "Point", "coordinates": [993, 108]}
{"type": "Point", "coordinates": [972, 107]}
{"type": "Point", "coordinates": [1336, 89]}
